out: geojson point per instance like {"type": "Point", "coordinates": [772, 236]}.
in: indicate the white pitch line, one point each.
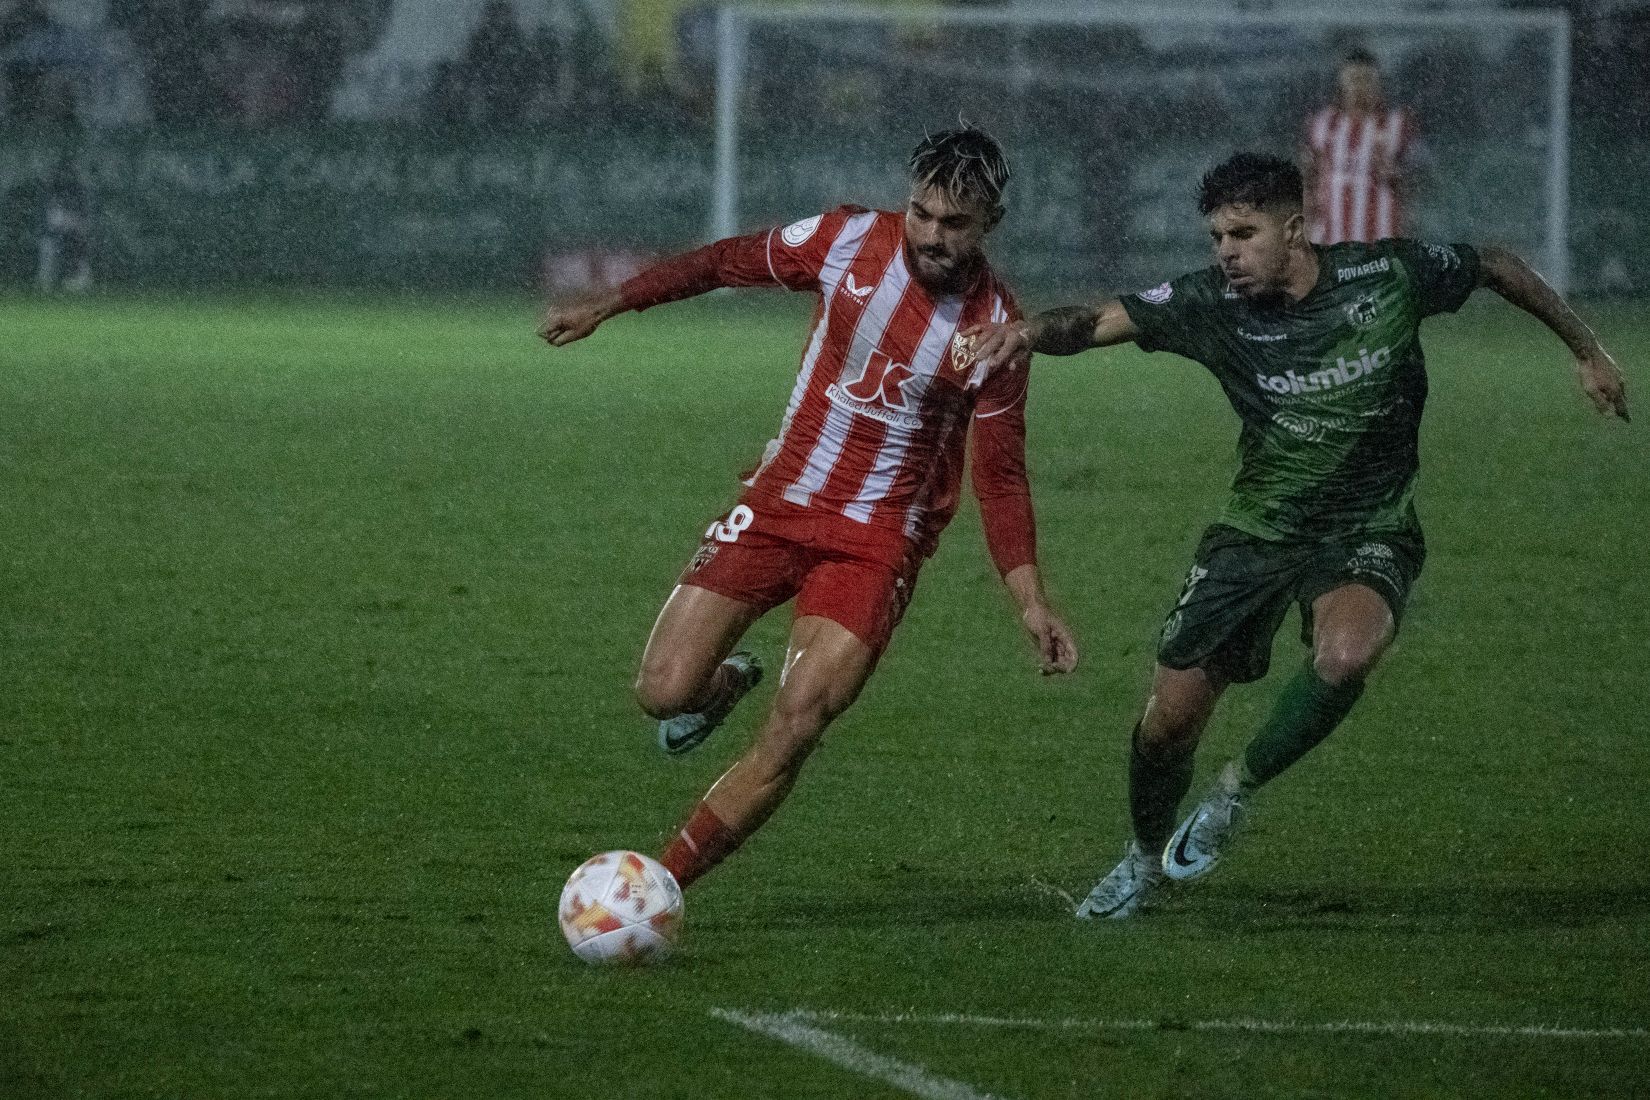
{"type": "Point", "coordinates": [1356, 1027]}
{"type": "Point", "coordinates": [844, 1052]}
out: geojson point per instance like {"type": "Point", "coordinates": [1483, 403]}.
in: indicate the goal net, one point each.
{"type": "Point", "coordinates": [1110, 117]}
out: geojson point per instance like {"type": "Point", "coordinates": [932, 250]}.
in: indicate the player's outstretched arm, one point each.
{"type": "Point", "coordinates": [735, 261]}
{"type": "Point", "coordinates": [1056, 648]}
{"type": "Point", "coordinates": [576, 318]}
{"type": "Point", "coordinates": [1516, 281]}
{"type": "Point", "coordinates": [1064, 330]}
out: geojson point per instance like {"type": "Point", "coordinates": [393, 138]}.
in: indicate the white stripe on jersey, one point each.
{"type": "Point", "coordinates": [837, 261]}
{"type": "Point", "coordinates": [1337, 180]}
{"type": "Point", "coordinates": [879, 311]}
{"type": "Point", "coordinates": [1320, 133]}
{"type": "Point", "coordinates": [1385, 215]}
{"type": "Point", "coordinates": [1369, 132]}
{"type": "Point", "coordinates": [1381, 226]}
{"type": "Point", "coordinates": [999, 315]}
{"type": "Point", "coordinates": [896, 443]}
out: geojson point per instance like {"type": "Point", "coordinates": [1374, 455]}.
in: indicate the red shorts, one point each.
{"type": "Point", "coordinates": [764, 554]}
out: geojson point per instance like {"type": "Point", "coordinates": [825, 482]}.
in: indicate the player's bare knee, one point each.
{"type": "Point", "coordinates": [1343, 663]}
{"type": "Point", "coordinates": [665, 689]}
{"type": "Point", "coordinates": [653, 702]}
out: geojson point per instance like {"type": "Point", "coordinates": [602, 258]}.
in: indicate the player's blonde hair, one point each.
{"type": "Point", "coordinates": [966, 165]}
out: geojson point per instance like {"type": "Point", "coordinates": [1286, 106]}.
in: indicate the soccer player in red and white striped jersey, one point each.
{"type": "Point", "coordinates": [866, 470]}
{"type": "Point", "coordinates": [1358, 159]}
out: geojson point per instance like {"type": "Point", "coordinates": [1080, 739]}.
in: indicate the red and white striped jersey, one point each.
{"type": "Point", "coordinates": [1358, 157]}
{"type": "Point", "coordinates": [876, 425]}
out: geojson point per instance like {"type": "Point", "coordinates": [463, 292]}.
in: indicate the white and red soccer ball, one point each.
{"type": "Point", "coordinates": [621, 907]}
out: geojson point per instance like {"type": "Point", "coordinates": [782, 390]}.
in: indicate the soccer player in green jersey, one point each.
{"type": "Point", "coordinates": [1318, 351]}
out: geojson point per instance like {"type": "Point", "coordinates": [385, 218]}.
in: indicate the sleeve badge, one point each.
{"type": "Point", "coordinates": [797, 233]}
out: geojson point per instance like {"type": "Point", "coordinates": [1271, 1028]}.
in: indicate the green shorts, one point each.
{"type": "Point", "coordinates": [1240, 588]}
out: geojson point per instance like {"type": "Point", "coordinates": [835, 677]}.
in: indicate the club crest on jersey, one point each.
{"type": "Point", "coordinates": [702, 556]}
{"type": "Point", "coordinates": [1361, 312]}
{"type": "Point", "coordinates": [879, 393]}
{"type": "Point", "coordinates": [797, 233]}
{"type": "Point", "coordinates": [1157, 295]}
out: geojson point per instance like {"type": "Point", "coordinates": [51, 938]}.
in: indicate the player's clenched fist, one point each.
{"type": "Point", "coordinates": [565, 322]}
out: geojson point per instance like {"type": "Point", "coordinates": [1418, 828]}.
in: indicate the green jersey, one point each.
{"type": "Point", "coordinates": [1329, 389]}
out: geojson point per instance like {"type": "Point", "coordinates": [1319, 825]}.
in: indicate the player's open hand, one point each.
{"type": "Point", "coordinates": [1603, 382]}
{"type": "Point", "coordinates": [565, 322]}
{"type": "Point", "coordinates": [997, 345]}
{"type": "Point", "coordinates": [1056, 648]}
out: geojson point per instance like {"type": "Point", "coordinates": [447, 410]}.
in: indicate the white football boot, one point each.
{"type": "Point", "coordinates": [1129, 886]}
{"type": "Point", "coordinates": [686, 732]}
{"type": "Point", "coordinates": [1197, 846]}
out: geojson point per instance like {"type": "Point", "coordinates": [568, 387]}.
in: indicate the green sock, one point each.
{"type": "Point", "coordinates": [1305, 714]}
{"type": "Point", "coordinates": [1156, 786]}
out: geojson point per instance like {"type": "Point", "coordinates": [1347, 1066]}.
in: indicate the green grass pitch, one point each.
{"type": "Point", "coordinates": [317, 624]}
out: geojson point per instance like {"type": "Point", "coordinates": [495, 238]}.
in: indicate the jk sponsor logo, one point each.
{"type": "Point", "coordinates": [1342, 372]}
{"type": "Point", "coordinates": [879, 393]}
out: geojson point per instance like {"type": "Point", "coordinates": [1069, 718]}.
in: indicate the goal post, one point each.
{"type": "Point", "coordinates": [1110, 115]}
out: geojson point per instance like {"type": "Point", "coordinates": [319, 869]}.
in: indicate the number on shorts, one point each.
{"type": "Point", "coordinates": [735, 525]}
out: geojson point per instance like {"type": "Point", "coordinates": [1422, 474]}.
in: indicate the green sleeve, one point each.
{"type": "Point", "coordinates": [1444, 275]}
{"type": "Point", "coordinates": [1174, 316]}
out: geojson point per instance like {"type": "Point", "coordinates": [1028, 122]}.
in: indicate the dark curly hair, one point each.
{"type": "Point", "coordinates": [965, 164]}
{"type": "Point", "coordinates": [1252, 179]}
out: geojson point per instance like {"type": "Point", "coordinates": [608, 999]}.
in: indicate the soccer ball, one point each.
{"type": "Point", "coordinates": [621, 907]}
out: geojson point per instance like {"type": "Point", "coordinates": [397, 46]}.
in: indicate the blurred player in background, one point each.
{"type": "Point", "coordinates": [1359, 158]}
{"type": "Point", "coordinates": [851, 497]}
{"type": "Point", "coordinates": [1318, 350]}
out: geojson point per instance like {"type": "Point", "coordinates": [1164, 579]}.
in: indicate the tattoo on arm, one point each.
{"type": "Point", "coordinates": [1065, 330]}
